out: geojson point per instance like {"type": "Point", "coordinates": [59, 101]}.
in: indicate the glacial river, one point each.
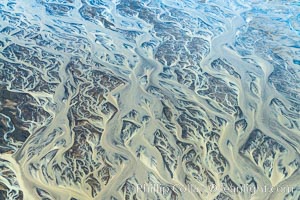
{"type": "Point", "coordinates": [149, 100]}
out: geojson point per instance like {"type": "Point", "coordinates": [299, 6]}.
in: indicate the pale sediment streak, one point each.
{"type": "Point", "coordinates": [149, 100]}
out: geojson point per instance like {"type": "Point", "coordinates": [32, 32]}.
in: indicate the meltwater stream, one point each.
{"type": "Point", "coordinates": [149, 99]}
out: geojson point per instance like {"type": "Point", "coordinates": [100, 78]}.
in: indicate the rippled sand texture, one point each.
{"type": "Point", "coordinates": [99, 97]}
